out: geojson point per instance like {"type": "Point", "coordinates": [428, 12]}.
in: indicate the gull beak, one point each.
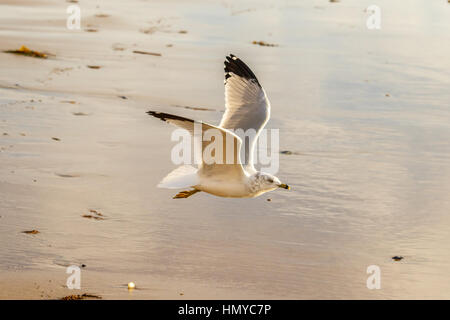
{"type": "Point", "coordinates": [284, 186]}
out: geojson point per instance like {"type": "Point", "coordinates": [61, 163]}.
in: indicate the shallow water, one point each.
{"type": "Point", "coordinates": [365, 112]}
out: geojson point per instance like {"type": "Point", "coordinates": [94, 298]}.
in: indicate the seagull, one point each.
{"type": "Point", "coordinates": [246, 107]}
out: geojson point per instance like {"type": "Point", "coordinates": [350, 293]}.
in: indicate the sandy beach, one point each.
{"type": "Point", "coordinates": [363, 113]}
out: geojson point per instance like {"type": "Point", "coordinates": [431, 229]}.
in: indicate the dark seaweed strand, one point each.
{"type": "Point", "coordinates": [166, 116]}
{"type": "Point", "coordinates": [239, 68]}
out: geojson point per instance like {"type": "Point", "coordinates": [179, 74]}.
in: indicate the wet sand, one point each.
{"type": "Point", "coordinates": [364, 113]}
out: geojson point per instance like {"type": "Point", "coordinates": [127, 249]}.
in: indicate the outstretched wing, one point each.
{"type": "Point", "coordinates": [246, 104]}
{"type": "Point", "coordinates": [225, 158]}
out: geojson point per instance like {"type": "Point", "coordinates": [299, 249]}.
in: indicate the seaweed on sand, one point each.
{"type": "Point", "coordinates": [24, 51]}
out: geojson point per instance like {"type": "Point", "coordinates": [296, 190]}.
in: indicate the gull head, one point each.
{"type": "Point", "coordinates": [268, 182]}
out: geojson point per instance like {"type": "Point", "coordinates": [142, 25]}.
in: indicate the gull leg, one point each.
{"type": "Point", "coordinates": [185, 194]}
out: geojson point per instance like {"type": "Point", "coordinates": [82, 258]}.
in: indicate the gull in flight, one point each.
{"type": "Point", "coordinates": [246, 107]}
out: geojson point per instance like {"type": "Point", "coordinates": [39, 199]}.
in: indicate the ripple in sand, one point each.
{"type": "Point", "coordinates": [80, 114]}
{"type": "Point", "coordinates": [66, 175]}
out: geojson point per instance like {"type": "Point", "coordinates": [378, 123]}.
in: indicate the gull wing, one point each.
{"type": "Point", "coordinates": [246, 103]}
{"type": "Point", "coordinates": [227, 162]}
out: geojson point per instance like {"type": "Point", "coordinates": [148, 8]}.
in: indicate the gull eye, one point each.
{"type": "Point", "coordinates": [270, 180]}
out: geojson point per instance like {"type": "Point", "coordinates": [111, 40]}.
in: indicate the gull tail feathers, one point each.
{"type": "Point", "coordinates": [181, 177]}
